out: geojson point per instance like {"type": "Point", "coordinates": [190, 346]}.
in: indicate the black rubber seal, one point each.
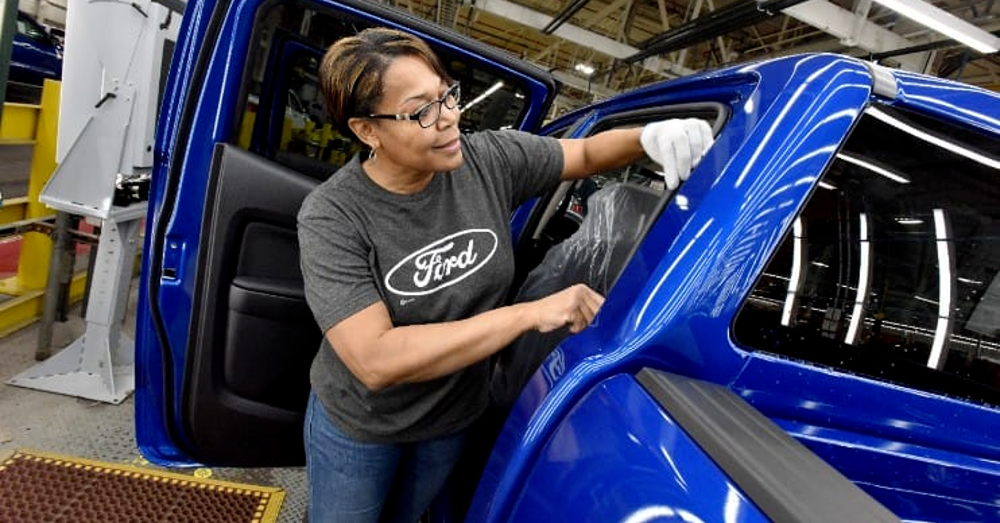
{"type": "Point", "coordinates": [787, 481]}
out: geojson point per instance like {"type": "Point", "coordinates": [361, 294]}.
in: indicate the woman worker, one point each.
{"type": "Point", "coordinates": [407, 259]}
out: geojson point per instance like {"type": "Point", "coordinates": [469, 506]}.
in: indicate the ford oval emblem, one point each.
{"type": "Point", "coordinates": [442, 263]}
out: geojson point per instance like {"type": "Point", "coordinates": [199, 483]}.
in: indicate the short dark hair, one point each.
{"type": "Point", "coordinates": [351, 75]}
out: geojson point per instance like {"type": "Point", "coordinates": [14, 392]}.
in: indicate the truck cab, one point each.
{"type": "Point", "coordinates": [805, 330]}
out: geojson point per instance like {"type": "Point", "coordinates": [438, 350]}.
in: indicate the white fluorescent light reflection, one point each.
{"type": "Point", "coordinates": [864, 275]}
{"type": "Point", "coordinates": [945, 23]}
{"type": "Point", "coordinates": [798, 255]}
{"type": "Point", "coordinates": [970, 282]}
{"type": "Point", "coordinates": [909, 221]}
{"type": "Point", "coordinates": [930, 138]}
{"type": "Point", "coordinates": [584, 69]}
{"type": "Point", "coordinates": [896, 177]}
{"type": "Point", "coordinates": [682, 202]}
{"type": "Point", "coordinates": [650, 513]}
{"type": "Point", "coordinates": [942, 331]}
{"type": "Point", "coordinates": [489, 92]}
{"type": "Point", "coordinates": [828, 186]}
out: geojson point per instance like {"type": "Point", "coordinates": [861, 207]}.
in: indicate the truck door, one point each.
{"type": "Point", "coordinates": [224, 337]}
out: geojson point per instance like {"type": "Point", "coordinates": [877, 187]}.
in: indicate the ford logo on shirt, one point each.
{"type": "Point", "coordinates": [442, 263]}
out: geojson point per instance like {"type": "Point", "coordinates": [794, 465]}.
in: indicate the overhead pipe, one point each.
{"type": "Point", "coordinates": [940, 44]}
{"type": "Point", "coordinates": [717, 23]}
{"type": "Point", "coordinates": [564, 16]}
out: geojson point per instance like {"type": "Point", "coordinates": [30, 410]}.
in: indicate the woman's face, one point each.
{"type": "Point", "coordinates": [409, 84]}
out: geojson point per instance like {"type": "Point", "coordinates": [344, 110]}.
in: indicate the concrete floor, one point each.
{"type": "Point", "coordinates": [44, 421]}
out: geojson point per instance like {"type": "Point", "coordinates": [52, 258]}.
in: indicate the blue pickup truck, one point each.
{"type": "Point", "coordinates": [808, 329]}
{"type": "Point", "coordinates": [35, 53]}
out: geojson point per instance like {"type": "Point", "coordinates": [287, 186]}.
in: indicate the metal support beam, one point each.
{"type": "Point", "coordinates": [719, 22]}
{"type": "Point", "coordinates": [522, 15]}
{"type": "Point", "coordinates": [626, 22]}
{"type": "Point", "coordinates": [564, 16]}
{"type": "Point", "coordinates": [581, 84]}
{"type": "Point", "coordinates": [59, 266]}
{"type": "Point", "coordinates": [945, 23]}
{"type": "Point", "coordinates": [607, 11]}
{"type": "Point", "coordinates": [552, 48]}
{"type": "Point", "coordinates": [99, 364]}
{"type": "Point", "coordinates": [841, 23]}
{"type": "Point", "coordinates": [921, 48]}
{"type": "Point", "coordinates": [447, 13]}
{"type": "Point", "coordinates": [695, 13]}
{"type": "Point", "coordinates": [723, 48]}
{"type": "Point", "coordinates": [664, 19]}
{"type": "Point", "coordinates": [861, 10]}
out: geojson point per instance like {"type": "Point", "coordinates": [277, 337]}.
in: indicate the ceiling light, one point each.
{"type": "Point", "coordinates": [945, 23]}
{"type": "Point", "coordinates": [896, 177]}
{"type": "Point", "coordinates": [584, 69]}
{"type": "Point", "coordinates": [909, 221]}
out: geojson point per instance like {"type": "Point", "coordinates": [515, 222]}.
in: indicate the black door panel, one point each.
{"type": "Point", "coordinates": [251, 284]}
{"type": "Point", "coordinates": [269, 326]}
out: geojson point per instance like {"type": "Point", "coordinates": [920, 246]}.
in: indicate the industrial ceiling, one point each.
{"type": "Point", "coordinates": [629, 43]}
{"type": "Point", "coordinates": [633, 42]}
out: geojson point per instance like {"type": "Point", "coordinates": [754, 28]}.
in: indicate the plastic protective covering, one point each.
{"type": "Point", "coordinates": [616, 217]}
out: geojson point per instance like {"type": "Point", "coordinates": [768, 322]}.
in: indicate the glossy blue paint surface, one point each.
{"type": "Point", "coordinates": [959, 103]}
{"type": "Point", "coordinates": [917, 483]}
{"type": "Point", "coordinates": [672, 308]}
{"type": "Point", "coordinates": [152, 408]}
{"type": "Point", "coordinates": [928, 458]}
{"type": "Point", "coordinates": [617, 456]}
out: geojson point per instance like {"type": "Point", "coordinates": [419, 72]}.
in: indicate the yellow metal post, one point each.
{"type": "Point", "coordinates": [28, 286]}
{"type": "Point", "coordinates": [13, 209]}
{"type": "Point", "coordinates": [18, 127]}
{"type": "Point", "coordinates": [36, 248]}
{"type": "Point", "coordinates": [19, 124]}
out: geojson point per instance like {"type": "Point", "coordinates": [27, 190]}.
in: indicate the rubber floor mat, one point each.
{"type": "Point", "coordinates": [38, 487]}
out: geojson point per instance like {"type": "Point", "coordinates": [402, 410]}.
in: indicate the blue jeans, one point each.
{"type": "Point", "coordinates": [356, 482]}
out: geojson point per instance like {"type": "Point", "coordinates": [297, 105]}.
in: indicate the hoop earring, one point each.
{"type": "Point", "coordinates": [371, 155]}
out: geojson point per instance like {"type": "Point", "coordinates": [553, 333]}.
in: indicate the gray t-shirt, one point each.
{"type": "Point", "coordinates": [442, 254]}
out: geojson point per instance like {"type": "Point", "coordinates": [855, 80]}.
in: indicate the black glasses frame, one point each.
{"type": "Point", "coordinates": [449, 99]}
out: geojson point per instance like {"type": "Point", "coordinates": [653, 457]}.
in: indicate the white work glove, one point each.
{"type": "Point", "coordinates": [677, 145]}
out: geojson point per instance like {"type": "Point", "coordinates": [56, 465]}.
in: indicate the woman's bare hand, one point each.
{"type": "Point", "coordinates": [574, 307]}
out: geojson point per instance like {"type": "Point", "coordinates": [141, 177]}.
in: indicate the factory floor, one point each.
{"type": "Point", "coordinates": [55, 423]}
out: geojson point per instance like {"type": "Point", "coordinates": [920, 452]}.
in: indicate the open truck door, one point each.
{"type": "Point", "coordinates": [224, 335]}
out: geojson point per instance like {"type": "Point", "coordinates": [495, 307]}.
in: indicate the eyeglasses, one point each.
{"type": "Point", "coordinates": [428, 114]}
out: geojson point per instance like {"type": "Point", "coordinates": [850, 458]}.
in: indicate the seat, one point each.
{"type": "Point", "coordinates": [618, 216]}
